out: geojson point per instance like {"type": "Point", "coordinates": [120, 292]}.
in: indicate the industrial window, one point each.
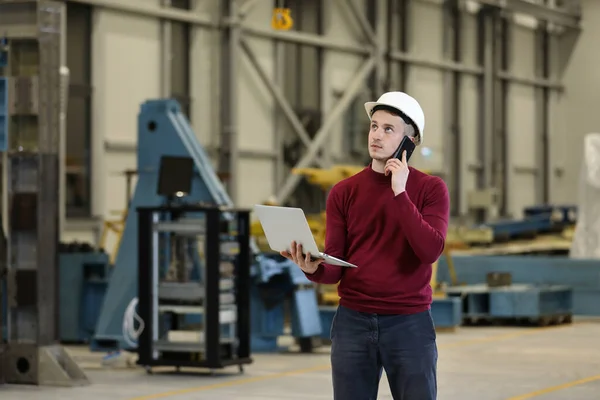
{"type": "Point", "coordinates": [180, 58]}
{"type": "Point", "coordinates": [78, 135]}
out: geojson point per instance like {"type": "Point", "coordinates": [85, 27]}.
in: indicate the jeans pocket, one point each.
{"type": "Point", "coordinates": [332, 328]}
{"type": "Point", "coordinates": [432, 324]}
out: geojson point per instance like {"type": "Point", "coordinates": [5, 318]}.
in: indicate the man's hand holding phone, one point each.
{"type": "Point", "coordinates": [304, 261]}
{"type": "Point", "coordinates": [399, 170]}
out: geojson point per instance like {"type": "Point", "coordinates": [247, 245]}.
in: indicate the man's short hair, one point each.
{"type": "Point", "coordinates": [410, 129]}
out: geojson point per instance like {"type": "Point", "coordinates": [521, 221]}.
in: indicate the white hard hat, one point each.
{"type": "Point", "coordinates": [404, 103]}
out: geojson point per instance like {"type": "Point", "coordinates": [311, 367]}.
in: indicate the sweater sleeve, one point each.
{"type": "Point", "coordinates": [335, 239]}
{"type": "Point", "coordinates": [425, 231]}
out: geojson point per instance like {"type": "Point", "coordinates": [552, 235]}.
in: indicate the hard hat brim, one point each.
{"type": "Point", "coordinates": [370, 105]}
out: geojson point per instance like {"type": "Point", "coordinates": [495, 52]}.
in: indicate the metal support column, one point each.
{"type": "Point", "coordinates": [503, 32]}
{"type": "Point", "coordinates": [486, 37]}
{"type": "Point", "coordinates": [542, 55]}
{"type": "Point", "coordinates": [381, 35]}
{"type": "Point", "coordinates": [279, 121]}
{"type": "Point", "coordinates": [394, 43]}
{"type": "Point", "coordinates": [405, 27]}
{"type": "Point", "coordinates": [166, 53]}
{"type": "Point", "coordinates": [230, 49]}
{"type": "Point", "coordinates": [34, 32]}
{"type": "Point", "coordinates": [452, 49]}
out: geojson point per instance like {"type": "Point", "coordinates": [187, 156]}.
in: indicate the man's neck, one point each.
{"type": "Point", "coordinates": [378, 166]}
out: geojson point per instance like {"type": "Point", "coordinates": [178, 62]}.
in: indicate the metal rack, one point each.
{"type": "Point", "coordinates": [193, 293]}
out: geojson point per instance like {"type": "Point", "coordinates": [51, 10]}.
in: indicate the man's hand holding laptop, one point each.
{"type": "Point", "coordinates": [304, 261]}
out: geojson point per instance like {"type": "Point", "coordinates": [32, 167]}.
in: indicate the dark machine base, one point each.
{"type": "Point", "coordinates": [32, 365]}
{"type": "Point", "coordinates": [167, 361]}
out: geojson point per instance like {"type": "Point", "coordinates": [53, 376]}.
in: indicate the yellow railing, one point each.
{"type": "Point", "coordinates": [116, 227]}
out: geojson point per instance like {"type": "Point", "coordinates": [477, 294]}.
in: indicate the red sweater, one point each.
{"type": "Point", "coordinates": [393, 240]}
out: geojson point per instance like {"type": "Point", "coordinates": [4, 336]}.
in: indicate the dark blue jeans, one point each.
{"type": "Point", "coordinates": [362, 345]}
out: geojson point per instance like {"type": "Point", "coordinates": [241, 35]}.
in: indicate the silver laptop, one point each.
{"type": "Point", "coordinates": [284, 225]}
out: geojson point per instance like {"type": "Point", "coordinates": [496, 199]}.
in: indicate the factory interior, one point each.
{"type": "Point", "coordinates": [137, 136]}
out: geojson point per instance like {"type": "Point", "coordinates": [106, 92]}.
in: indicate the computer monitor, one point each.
{"type": "Point", "coordinates": [175, 176]}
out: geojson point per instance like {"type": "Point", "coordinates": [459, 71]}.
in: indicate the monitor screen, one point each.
{"type": "Point", "coordinates": [175, 176]}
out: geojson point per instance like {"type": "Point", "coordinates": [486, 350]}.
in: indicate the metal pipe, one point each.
{"type": "Point", "coordinates": [310, 39]}
{"type": "Point", "coordinates": [151, 11]}
{"type": "Point", "coordinates": [279, 97]}
{"type": "Point", "coordinates": [449, 66]}
{"type": "Point", "coordinates": [247, 153]}
{"type": "Point", "coordinates": [534, 82]}
{"type": "Point", "coordinates": [353, 87]}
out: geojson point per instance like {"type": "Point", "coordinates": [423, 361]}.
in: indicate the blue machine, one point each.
{"type": "Point", "coordinates": [559, 214]}
{"type": "Point", "coordinates": [164, 131]}
{"type": "Point", "coordinates": [540, 304]}
{"type": "Point", "coordinates": [537, 220]}
{"type": "Point", "coordinates": [581, 276]}
{"type": "Point", "coordinates": [275, 280]}
{"type": "Point", "coordinates": [83, 278]}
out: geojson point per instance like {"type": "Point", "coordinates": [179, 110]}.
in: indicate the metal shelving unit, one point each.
{"type": "Point", "coordinates": [193, 295]}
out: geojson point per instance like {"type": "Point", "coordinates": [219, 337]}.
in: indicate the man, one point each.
{"type": "Point", "coordinates": [390, 220]}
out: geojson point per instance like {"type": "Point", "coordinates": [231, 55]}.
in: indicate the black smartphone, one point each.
{"type": "Point", "coordinates": [405, 145]}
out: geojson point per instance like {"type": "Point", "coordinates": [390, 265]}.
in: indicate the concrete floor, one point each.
{"type": "Point", "coordinates": [475, 364]}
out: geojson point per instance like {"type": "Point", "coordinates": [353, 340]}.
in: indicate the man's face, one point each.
{"type": "Point", "coordinates": [385, 134]}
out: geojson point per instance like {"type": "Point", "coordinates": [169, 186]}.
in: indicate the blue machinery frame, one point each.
{"type": "Point", "coordinates": [163, 130]}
